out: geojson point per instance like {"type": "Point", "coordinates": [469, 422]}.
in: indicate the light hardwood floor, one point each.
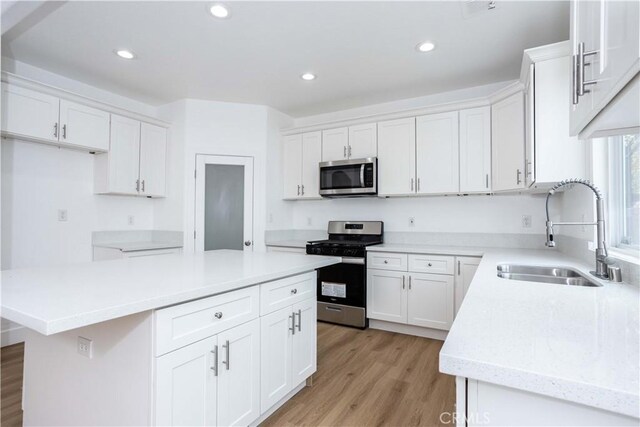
{"type": "Point", "coordinates": [11, 359]}
{"type": "Point", "coordinates": [371, 378]}
{"type": "Point", "coordinates": [364, 378]}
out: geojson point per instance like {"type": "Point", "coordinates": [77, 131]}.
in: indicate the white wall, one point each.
{"type": "Point", "coordinates": [471, 214]}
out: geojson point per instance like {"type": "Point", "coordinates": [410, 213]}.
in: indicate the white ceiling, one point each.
{"type": "Point", "coordinates": [362, 52]}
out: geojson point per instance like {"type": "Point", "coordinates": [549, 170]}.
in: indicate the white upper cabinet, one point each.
{"type": "Point", "coordinates": [397, 157]}
{"type": "Point", "coordinates": [335, 144]}
{"type": "Point", "coordinates": [558, 155]}
{"type": "Point", "coordinates": [301, 155]}
{"type": "Point", "coordinates": [292, 166]}
{"type": "Point", "coordinates": [153, 160]}
{"type": "Point", "coordinates": [475, 150]}
{"type": "Point", "coordinates": [363, 141]}
{"type": "Point", "coordinates": [437, 153]}
{"type": "Point", "coordinates": [529, 129]}
{"type": "Point", "coordinates": [311, 158]}
{"type": "Point", "coordinates": [84, 126]}
{"type": "Point", "coordinates": [607, 32]}
{"type": "Point", "coordinates": [30, 114]}
{"type": "Point", "coordinates": [507, 145]}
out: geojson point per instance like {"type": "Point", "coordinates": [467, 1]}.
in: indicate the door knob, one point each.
{"type": "Point", "coordinates": [247, 243]}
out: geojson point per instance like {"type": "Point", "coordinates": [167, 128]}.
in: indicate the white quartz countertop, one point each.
{"type": "Point", "coordinates": [575, 343]}
{"type": "Point", "coordinates": [138, 246]}
{"type": "Point", "coordinates": [288, 243]}
{"type": "Point", "coordinates": [57, 299]}
{"type": "Point", "coordinates": [427, 249]}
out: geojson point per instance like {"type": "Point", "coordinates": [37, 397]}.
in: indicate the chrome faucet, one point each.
{"type": "Point", "coordinates": [601, 250]}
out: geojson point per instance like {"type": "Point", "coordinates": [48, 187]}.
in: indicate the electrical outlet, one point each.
{"type": "Point", "coordinates": [526, 221]}
{"type": "Point", "coordinates": [270, 218]}
{"type": "Point", "coordinates": [412, 221]}
{"type": "Point", "coordinates": [62, 215]}
{"type": "Point", "coordinates": [85, 347]}
{"type": "Point", "coordinates": [130, 220]}
{"type": "Point", "coordinates": [309, 222]}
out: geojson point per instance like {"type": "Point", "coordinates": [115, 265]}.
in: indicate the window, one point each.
{"type": "Point", "coordinates": [624, 193]}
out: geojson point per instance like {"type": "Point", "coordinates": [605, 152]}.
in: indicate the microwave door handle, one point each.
{"type": "Point", "coordinates": [362, 175]}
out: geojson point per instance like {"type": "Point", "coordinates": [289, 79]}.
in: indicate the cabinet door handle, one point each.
{"type": "Point", "coordinates": [293, 323]}
{"type": "Point", "coordinates": [299, 320]}
{"type": "Point", "coordinates": [214, 368]}
{"type": "Point", "coordinates": [64, 131]}
{"type": "Point", "coordinates": [143, 185]}
{"type": "Point", "coordinates": [298, 190]}
{"type": "Point", "coordinates": [418, 186]}
{"type": "Point", "coordinates": [226, 347]}
{"type": "Point", "coordinates": [411, 184]}
{"type": "Point", "coordinates": [55, 130]}
{"type": "Point", "coordinates": [409, 282]}
{"type": "Point", "coordinates": [518, 180]}
{"type": "Point", "coordinates": [344, 151]}
{"type": "Point", "coordinates": [575, 63]}
{"type": "Point", "coordinates": [582, 83]}
{"type": "Point", "coordinates": [403, 278]}
{"type": "Point", "coordinates": [458, 267]}
{"type": "Point", "coordinates": [137, 185]}
{"type": "Point", "coordinates": [302, 189]}
{"type": "Point", "coordinates": [486, 181]}
{"type": "Point", "coordinates": [349, 151]}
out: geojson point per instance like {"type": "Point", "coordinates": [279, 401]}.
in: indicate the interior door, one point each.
{"type": "Point", "coordinates": [153, 160]}
{"type": "Point", "coordinates": [224, 203]}
{"type": "Point", "coordinates": [186, 386]}
{"type": "Point", "coordinates": [239, 377]}
{"type": "Point", "coordinates": [124, 155]}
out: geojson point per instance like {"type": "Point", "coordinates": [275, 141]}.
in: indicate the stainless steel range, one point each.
{"type": "Point", "coordinates": [342, 288]}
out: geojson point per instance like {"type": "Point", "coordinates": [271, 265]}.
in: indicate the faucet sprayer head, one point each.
{"type": "Point", "coordinates": [550, 242]}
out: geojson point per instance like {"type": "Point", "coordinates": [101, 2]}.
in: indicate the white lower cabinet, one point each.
{"type": "Point", "coordinates": [430, 300]}
{"type": "Point", "coordinates": [233, 377]}
{"type": "Point", "coordinates": [423, 290]}
{"type": "Point", "coordinates": [288, 353]}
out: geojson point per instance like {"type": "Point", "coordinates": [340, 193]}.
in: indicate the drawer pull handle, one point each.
{"type": "Point", "coordinates": [218, 315]}
{"type": "Point", "coordinates": [333, 309]}
{"type": "Point", "coordinates": [294, 291]}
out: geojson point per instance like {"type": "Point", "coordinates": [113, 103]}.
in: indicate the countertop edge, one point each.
{"type": "Point", "coordinates": [85, 319]}
{"type": "Point", "coordinates": [556, 387]}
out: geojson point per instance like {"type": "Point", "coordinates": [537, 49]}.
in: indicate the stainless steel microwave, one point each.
{"type": "Point", "coordinates": [349, 178]}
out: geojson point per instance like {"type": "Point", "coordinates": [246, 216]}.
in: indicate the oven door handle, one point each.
{"type": "Point", "coordinates": [351, 260]}
{"type": "Point", "coordinates": [362, 175]}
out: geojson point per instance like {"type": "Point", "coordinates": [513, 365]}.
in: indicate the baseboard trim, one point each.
{"type": "Point", "coordinates": [399, 328]}
{"type": "Point", "coordinates": [281, 402]}
{"type": "Point", "coordinates": [12, 336]}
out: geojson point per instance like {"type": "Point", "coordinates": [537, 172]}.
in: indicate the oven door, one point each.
{"type": "Point", "coordinates": [348, 177]}
{"type": "Point", "coordinates": [343, 284]}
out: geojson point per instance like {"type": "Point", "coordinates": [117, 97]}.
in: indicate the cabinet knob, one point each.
{"type": "Point", "coordinates": [218, 315]}
{"type": "Point", "coordinates": [430, 265]}
{"type": "Point", "coordinates": [247, 243]}
{"type": "Point", "coordinates": [294, 291]}
{"type": "Point", "coordinates": [386, 261]}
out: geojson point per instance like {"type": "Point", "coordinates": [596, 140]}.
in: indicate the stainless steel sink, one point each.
{"type": "Point", "coordinates": [545, 274]}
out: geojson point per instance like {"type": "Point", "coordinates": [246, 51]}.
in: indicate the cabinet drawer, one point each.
{"type": "Point", "coordinates": [387, 261]}
{"type": "Point", "coordinates": [186, 323]}
{"type": "Point", "coordinates": [281, 293]}
{"type": "Point", "coordinates": [433, 264]}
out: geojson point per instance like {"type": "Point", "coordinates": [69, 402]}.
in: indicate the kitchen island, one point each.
{"type": "Point", "coordinates": [171, 339]}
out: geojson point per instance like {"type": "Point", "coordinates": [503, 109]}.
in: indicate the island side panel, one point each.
{"type": "Point", "coordinates": [113, 387]}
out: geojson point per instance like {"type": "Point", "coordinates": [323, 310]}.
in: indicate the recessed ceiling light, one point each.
{"type": "Point", "coordinates": [219, 11]}
{"type": "Point", "coordinates": [125, 53]}
{"type": "Point", "coordinates": [308, 76]}
{"type": "Point", "coordinates": [425, 47]}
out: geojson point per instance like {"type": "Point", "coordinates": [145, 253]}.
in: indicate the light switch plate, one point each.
{"type": "Point", "coordinates": [63, 215]}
